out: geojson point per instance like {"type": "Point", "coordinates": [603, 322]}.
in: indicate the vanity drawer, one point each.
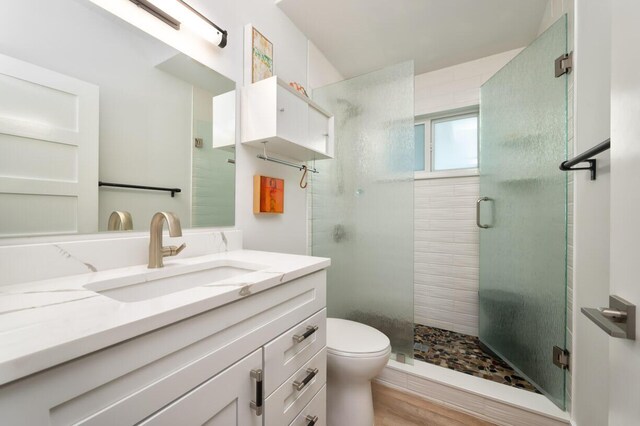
{"type": "Point", "coordinates": [283, 405]}
{"type": "Point", "coordinates": [288, 352]}
{"type": "Point", "coordinates": [317, 408]}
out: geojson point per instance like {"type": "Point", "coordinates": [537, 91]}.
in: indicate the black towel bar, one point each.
{"type": "Point", "coordinates": [148, 188]}
{"type": "Point", "coordinates": [585, 157]}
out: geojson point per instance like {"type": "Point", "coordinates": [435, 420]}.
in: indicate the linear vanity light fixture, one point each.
{"type": "Point", "coordinates": [221, 35]}
{"type": "Point", "coordinates": [158, 13]}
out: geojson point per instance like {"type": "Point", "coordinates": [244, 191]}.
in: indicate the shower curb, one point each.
{"type": "Point", "coordinates": [489, 401]}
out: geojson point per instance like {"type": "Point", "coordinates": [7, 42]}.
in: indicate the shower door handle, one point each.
{"type": "Point", "coordinates": [480, 200]}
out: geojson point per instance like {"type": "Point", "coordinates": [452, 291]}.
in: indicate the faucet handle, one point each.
{"type": "Point", "coordinates": [172, 250]}
{"type": "Point", "coordinates": [179, 249]}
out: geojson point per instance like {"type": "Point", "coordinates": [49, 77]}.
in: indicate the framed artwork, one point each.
{"type": "Point", "coordinates": [268, 194]}
{"type": "Point", "coordinates": [261, 57]}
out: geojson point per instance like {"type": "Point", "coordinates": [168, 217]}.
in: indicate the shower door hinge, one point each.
{"type": "Point", "coordinates": [561, 358]}
{"type": "Point", "coordinates": [564, 64]}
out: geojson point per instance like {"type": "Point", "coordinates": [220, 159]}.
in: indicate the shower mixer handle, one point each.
{"type": "Point", "coordinates": [480, 200]}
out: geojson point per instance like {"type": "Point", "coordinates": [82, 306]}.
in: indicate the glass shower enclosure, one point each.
{"type": "Point", "coordinates": [362, 203]}
{"type": "Point", "coordinates": [523, 212]}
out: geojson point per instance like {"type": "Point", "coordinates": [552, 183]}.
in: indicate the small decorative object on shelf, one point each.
{"type": "Point", "coordinates": [261, 57]}
{"type": "Point", "coordinates": [299, 88]}
{"type": "Point", "coordinates": [268, 195]}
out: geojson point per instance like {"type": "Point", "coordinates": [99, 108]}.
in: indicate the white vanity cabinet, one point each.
{"type": "Point", "coordinates": [291, 124]}
{"type": "Point", "coordinates": [196, 370]}
{"type": "Point", "coordinates": [223, 400]}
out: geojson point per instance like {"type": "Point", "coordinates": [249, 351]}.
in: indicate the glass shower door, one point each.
{"type": "Point", "coordinates": [363, 203]}
{"type": "Point", "coordinates": [523, 251]}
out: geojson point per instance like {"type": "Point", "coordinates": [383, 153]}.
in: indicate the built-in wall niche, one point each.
{"type": "Point", "coordinates": [86, 97]}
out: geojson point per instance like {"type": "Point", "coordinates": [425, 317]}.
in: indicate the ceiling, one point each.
{"type": "Point", "coordinates": [359, 36]}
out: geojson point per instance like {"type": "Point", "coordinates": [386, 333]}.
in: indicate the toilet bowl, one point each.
{"type": "Point", "coordinates": [356, 353]}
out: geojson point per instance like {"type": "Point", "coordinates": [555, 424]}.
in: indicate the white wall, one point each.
{"type": "Point", "coordinates": [624, 355]}
{"type": "Point", "coordinates": [321, 71]}
{"type": "Point", "coordinates": [554, 10]}
{"type": "Point", "coordinates": [457, 86]}
{"type": "Point", "coordinates": [446, 275]}
{"type": "Point", "coordinates": [286, 232]}
{"type": "Point", "coordinates": [591, 212]}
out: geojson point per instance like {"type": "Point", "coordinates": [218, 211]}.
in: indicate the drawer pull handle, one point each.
{"type": "Point", "coordinates": [311, 373]}
{"type": "Point", "coordinates": [312, 420]}
{"type": "Point", "coordinates": [257, 405]}
{"type": "Point", "coordinates": [310, 330]}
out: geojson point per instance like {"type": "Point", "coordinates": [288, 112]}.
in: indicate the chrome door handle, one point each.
{"type": "Point", "coordinates": [480, 200]}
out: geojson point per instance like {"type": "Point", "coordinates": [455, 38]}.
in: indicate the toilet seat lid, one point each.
{"type": "Point", "coordinates": [350, 337]}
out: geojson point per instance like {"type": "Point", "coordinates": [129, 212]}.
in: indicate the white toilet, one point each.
{"type": "Point", "coordinates": [356, 353]}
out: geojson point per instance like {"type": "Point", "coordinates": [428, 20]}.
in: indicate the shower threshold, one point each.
{"type": "Point", "coordinates": [485, 399]}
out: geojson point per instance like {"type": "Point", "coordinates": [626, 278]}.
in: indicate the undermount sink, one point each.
{"type": "Point", "coordinates": [171, 279]}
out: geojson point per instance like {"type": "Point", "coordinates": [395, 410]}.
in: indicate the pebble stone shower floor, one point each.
{"type": "Point", "coordinates": [461, 352]}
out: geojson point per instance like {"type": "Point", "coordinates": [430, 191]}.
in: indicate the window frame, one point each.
{"type": "Point", "coordinates": [428, 122]}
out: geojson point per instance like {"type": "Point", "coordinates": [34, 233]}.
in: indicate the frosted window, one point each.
{"type": "Point", "coordinates": [455, 142]}
{"type": "Point", "coordinates": [419, 146]}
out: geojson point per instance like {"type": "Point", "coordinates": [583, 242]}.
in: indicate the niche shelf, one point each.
{"type": "Point", "coordinates": [293, 125]}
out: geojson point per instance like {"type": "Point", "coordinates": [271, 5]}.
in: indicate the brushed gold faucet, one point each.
{"type": "Point", "coordinates": [120, 221]}
{"type": "Point", "coordinates": [156, 250]}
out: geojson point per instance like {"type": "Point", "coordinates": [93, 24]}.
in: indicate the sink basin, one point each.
{"type": "Point", "coordinates": [172, 278]}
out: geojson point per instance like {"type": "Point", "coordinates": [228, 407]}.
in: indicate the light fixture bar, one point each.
{"type": "Point", "coordinates": [158, 13]}
{"type": "Point", "coordinates": [223, 33]}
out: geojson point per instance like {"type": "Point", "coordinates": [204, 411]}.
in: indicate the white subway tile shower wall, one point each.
{"type": "Point", "coordinates": [446, 254]}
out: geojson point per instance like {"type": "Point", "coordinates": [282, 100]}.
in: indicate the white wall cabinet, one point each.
{"type": "Point", "coordinates": [290, 123]}
{"type": "Point", "coordinates": [193, 372]}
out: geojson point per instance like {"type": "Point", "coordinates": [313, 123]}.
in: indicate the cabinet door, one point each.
{"type": "Point", "coordinates": [318, 131]}
{"type": "Point", "coordinates": [292, 117]}
{"type": "Point", "coordinates": [223, 400]}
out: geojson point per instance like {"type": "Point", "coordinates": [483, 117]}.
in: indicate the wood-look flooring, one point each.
{"type": "Point", "coordinates": [395, 408]}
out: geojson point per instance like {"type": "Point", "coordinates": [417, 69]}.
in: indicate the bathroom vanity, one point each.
{"type": "Point", "coordinates": [244, 345]}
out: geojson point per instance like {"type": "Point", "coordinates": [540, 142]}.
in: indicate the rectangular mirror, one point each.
{"type": "Point", "coordinates": [85, 98]}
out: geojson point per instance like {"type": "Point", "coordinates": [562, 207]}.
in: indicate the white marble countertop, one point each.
{"type": "Point", "coordinates": [49, 322]}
